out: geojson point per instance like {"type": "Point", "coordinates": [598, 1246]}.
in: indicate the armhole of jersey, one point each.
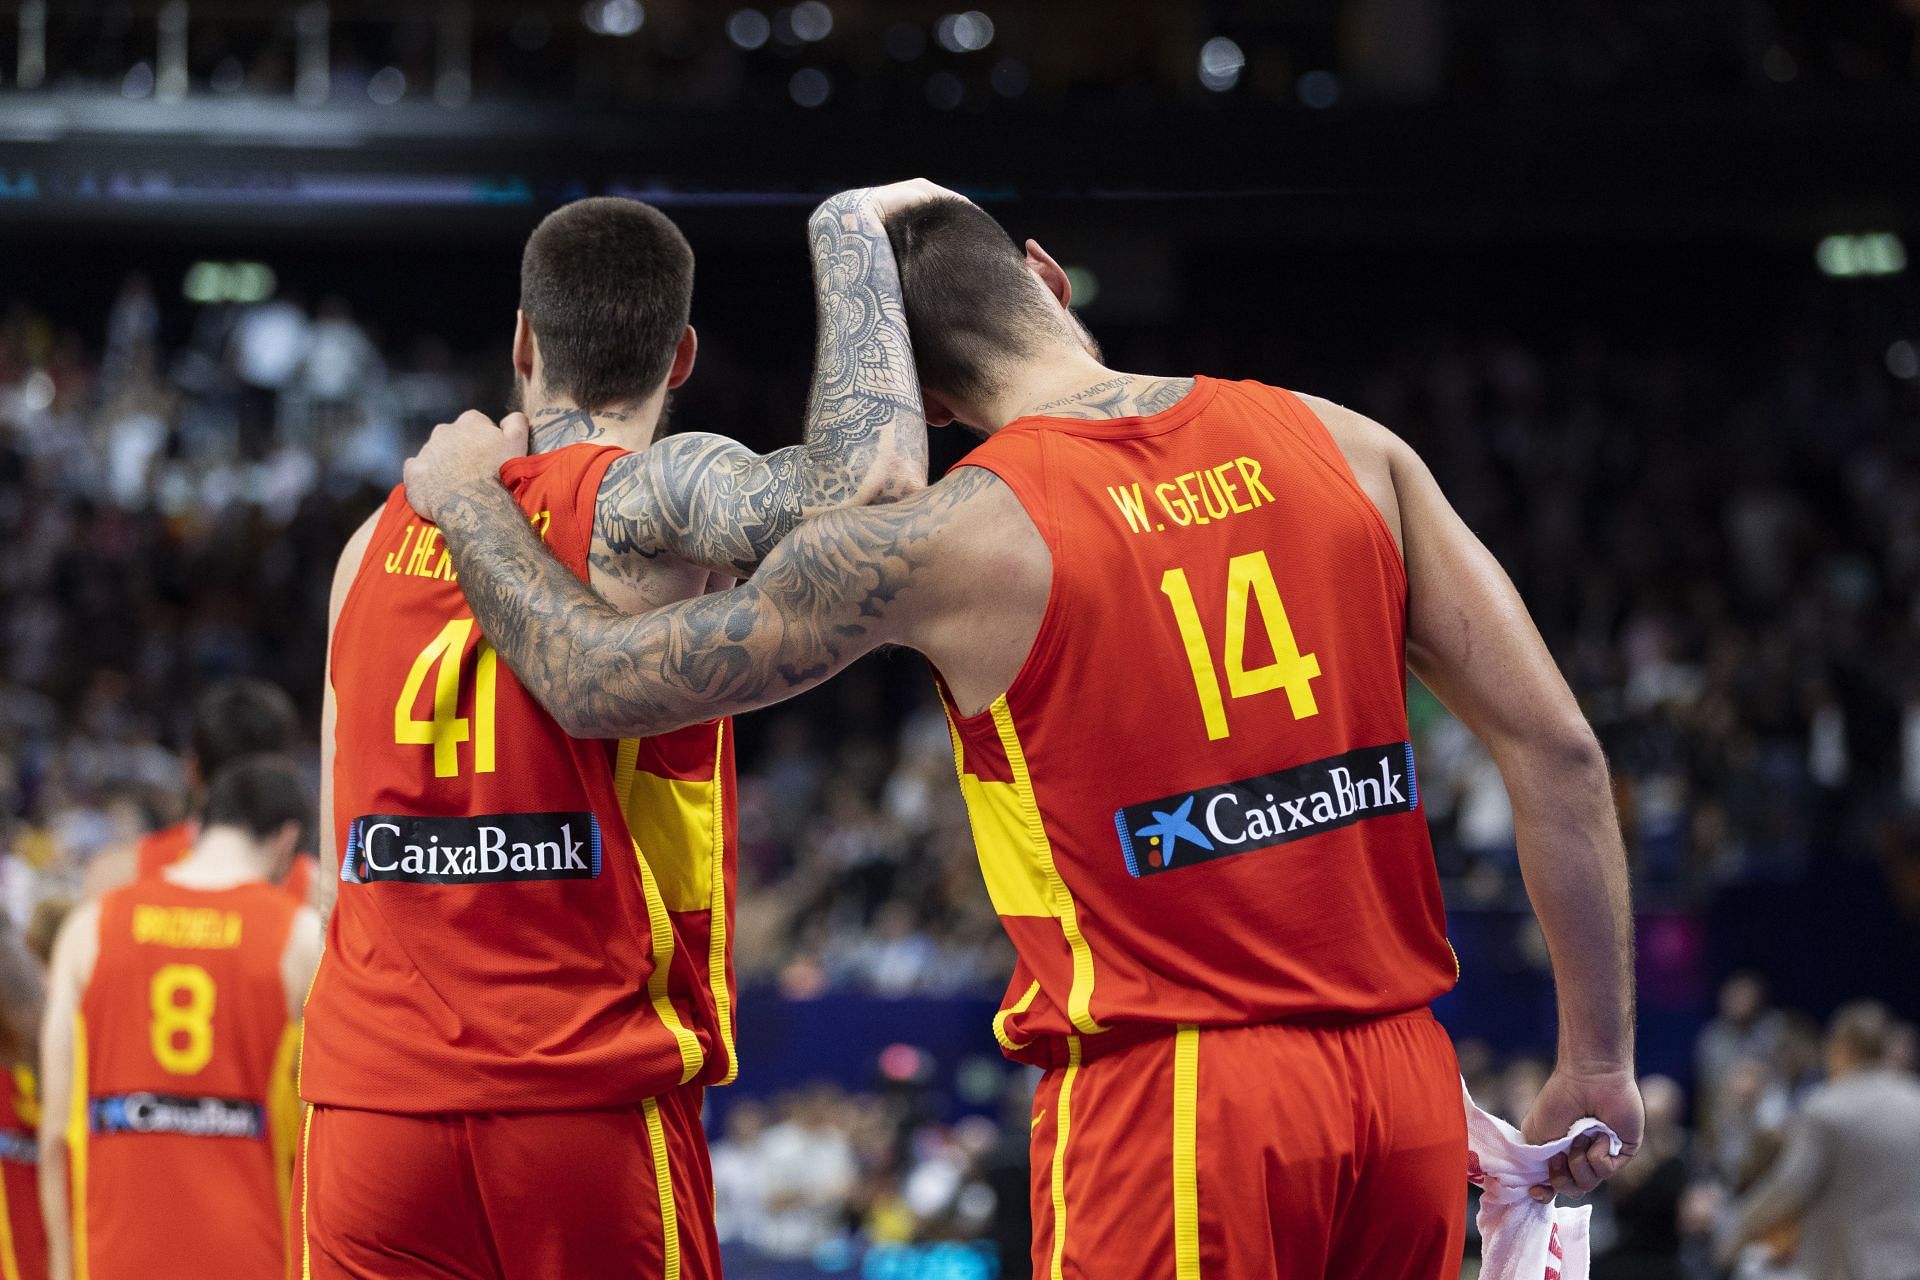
{"type": "Point", "coordinates": [360, 574]}
{"type": "Point", "coordinates": [1320, 442]}
{"type": "Point", "coordinates": [1040, 509]}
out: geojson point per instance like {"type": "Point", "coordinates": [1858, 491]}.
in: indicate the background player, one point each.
{"type": "Point", "coordinates": [1172, 617]}
{"type": "Point", "coordinates": [23, 1237]}
{"type": "Point", "coordinates": [534, 925]}
{"type": "Point", "coordinates": [232, 719]}
{"type": "Point", "coordinates": [168, 1051]}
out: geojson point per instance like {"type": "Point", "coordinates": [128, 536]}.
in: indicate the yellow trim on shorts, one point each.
{"type": "Point", "coordinates": [1080, 997]}
{"type": "Point", "coordinates": [717, 921]}
{"type": "Point", "coordinates": [1186, 1174]}
{"type": "Point", "coordinates": [1062, 1124]}
{"type": "Point", "coordinates": [1014, 1010]}
{"type": "Point", "coordinates": [663, 1180]}
{"type": "Point", "coordinates": [77, 1132]}
{"type": "Point", "coordinates": [9, 1265]}
{"type": "Point", "coordinates": [306, 1226]}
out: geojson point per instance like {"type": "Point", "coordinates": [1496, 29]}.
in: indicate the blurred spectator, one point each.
{"type": "Point", "coordinates": [1846, 1180]}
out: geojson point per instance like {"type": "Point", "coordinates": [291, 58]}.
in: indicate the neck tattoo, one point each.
{"type": "Point", "coordinates": [564, 425]}
{"type": "Point", "coordinates": [1094, 390]}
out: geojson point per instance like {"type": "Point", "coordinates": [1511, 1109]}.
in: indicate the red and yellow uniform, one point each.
{"type": "Point", "coordinates": [1197, 816]}
{"type": "Point", "coordinates": [184, 1115]}
{"type": "Point", "coordinates": [527, 973]}
{"type": "Point", "coordinates": [23, 1236]}
{"type": "Point", "coordinates": [159, 850]}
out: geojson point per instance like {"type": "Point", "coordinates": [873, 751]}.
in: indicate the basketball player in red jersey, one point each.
{"type": "Point", "coordinates": [23, 1237]}
{"type": "Point", "coordinates": [168, 1118]}
{"type": "Point", "coordinates": [231, 719]}
{"type": "Point", "coordinates": [1172, 619]}
{"type": "Point", "coordinates": [527, 979]}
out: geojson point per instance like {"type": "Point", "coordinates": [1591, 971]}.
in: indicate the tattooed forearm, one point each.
{"type": "Point", "coordinates": [828, 594]}
{"type": "Point", "coordinates": [710, 500]}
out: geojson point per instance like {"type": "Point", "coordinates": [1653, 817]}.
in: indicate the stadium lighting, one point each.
{"type": "Point", "coordinates": [812, 21]}
{"type": "Point", "coordinates": [387, 86]}
{"type": "Point", "coordinates": [1318, 89]}
{"type": "Point", "coordinates": [945, 92]}
{"type": "Point", "coordinates": [613, 17]}
{"type": "Point", "coordinates": [1085, 286]}
{"type": "Point", "coordinates": [1221, 61]}
{"type": "Point", "coordinates": [1009, 77]}
{"type": "Point", "coordinates": [810, 87]}
{"type": "Point", "coordinates": [964, 32]}
{"type": "Point", "coordinates": [749, 28]}
{"type": "Point", "coordinates": [1874, 253]}
{"type": "Point", "coordinates": [1903, 360]}
{"type": "Point", "coordinates": [244, 282]}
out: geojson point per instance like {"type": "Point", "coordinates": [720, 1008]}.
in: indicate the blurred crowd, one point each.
{"type": "Point", "coordinates": [856, 52]}
{"type": "Point", "coordinates": [1725, 559]}
{"type": "Point", "coordinates": [812, 1174]}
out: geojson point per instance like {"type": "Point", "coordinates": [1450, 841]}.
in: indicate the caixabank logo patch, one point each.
{"type": "Point", "coordinates": [1258, 813]}
{"type": "Point", "coordinates": [478, 850]}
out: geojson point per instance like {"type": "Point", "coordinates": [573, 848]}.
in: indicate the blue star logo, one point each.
{"type": "Point", "coordinates": [1174, 827]}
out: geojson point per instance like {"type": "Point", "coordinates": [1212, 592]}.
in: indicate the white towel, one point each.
{"type": "Point", "coordinates": [1521, 1239]}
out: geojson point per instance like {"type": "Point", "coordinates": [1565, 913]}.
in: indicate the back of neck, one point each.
{"type": "Point", "coordinates": [559, 425]}
{"type": "Point", "coordinates": [223, 858]}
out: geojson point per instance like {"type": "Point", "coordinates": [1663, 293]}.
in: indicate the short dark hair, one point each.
{"type": "Point", "coordinates": [259, 795]}
{"type": "Point", "coordinates": [970, 299]}
{"type": "Point", "coordinates": [241, 717]}
{"type": "Point", "coordinates": [607, 285]}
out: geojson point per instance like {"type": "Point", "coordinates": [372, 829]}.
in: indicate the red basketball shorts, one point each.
{"type": "Point", "coordinates": [625, 1191]}
{"type": "Point", "coordinates": [1275, 1152]}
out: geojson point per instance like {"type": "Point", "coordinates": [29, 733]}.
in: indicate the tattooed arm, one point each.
{"type": "Point", "coordinates": [711, 501]}
{"type": "Point", "coordinates": [841, 585]}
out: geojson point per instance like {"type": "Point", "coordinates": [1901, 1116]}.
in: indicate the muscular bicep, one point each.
{"type": "Point", "coordinates": [1469, 636]}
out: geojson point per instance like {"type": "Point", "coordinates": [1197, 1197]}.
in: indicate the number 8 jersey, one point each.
{"type": "Point", "coordinates": [183, 1123]}
{"type": "Point", "coordinates": [1196, 804]}
{"type": "Point", "coordinates": [526, 921]}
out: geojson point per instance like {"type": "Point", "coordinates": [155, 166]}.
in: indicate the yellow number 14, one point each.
{"type": "Point", "coordinates": [1290, 669]}
{"type": "Point", "coordinates": [448, 729]}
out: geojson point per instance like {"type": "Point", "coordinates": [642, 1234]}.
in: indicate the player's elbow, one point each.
{"type": "Point", "coordinates": [1565, 753]}
{"type": "Point", "coordinates": [898, 472]}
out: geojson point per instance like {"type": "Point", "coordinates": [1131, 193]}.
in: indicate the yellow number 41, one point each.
{"type": "Point", "coordinates": [448, 729]}
{"type": "Point", "coordinates": [1290, 669]}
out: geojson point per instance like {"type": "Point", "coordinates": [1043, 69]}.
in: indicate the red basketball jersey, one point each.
{"type": "Point", "coordinates": [1197, 803]}
{"type": "Point", "coordinates": [183, 1124]}
{"type": "Point", "coordinates": [160, 849]}
{"type": "Point", "coordinates": [23, 1235]}
{"type": "Point", "coordinates": [526, 921]}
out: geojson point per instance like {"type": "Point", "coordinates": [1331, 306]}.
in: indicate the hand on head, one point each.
{"type": "Point", "coordinates": [460, 454]}
{"type": "Point", "coordinates": [1613, 1098]}
{"type": "Point", "coordinates": [897, 197]}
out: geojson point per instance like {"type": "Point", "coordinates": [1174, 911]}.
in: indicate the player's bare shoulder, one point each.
{"type": "Point", "coordinates": [1373, 452]}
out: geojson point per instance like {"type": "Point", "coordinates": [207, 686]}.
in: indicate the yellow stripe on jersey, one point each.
{"type": "Point", "coordinates": [677, 822]}
{"type": "Point", "coordinates": [659, 925]}
{"type": "Point", "coordinates": [717, 913]}
{"type": "Point", "coordinates": [77, 1150]}
{"type": "Point", "coordinates": [692, 1057]}
{"type": "Point", "coordinates": [663, 1181]}
{"type": "Point", "coordinates": [1062, 1123]}
{"type": "Point", "coordinates": [1014, 1010]}
{"type": "Point", "coordinates": [1080, 998]}
{"type": "Point", "coordinates": [1186, 1169]}
{"type": "Point", "coordinates": [283, 1115]}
